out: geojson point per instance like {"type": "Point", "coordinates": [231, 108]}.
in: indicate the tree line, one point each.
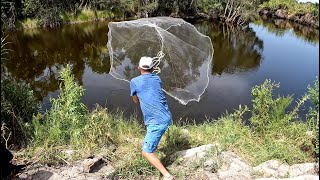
{"type": "Point", "coordinates": [49, 12]}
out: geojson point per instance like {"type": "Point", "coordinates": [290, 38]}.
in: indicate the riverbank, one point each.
{"type": "Point", "coordinates": [203, 162]}
{"type": "Point", "coordinates": [302, 13]}
{"type": "Point", "coordinates": [68, 132]}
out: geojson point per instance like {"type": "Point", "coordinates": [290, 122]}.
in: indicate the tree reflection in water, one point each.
{"type": "Point", "coordinates": [38, 54]}
{"type": "Point", "coordinates": [236, 49]}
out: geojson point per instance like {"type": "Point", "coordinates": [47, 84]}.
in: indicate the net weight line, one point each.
{"type": "Point", "coordinates": [156, 62]}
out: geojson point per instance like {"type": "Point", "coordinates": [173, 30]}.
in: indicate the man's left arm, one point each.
{"type": "Point", "coordinates": [135, 99]}
{"type": "Point", "coordinates": [133, 93]}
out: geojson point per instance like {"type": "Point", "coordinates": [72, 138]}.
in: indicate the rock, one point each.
{"type": "Point", "coordinates": [209, 165]}
{"type": "Point", "coordinates": [281, 13]}
{"type": "Point", "coordinates": [272, 168]}
{"type": "Point", "coordinates": [233, 167]}
{"type": "Point", "coordinates": [89, 165]}
{"type": "Point", "coordinates": [202, 15]}
{"type": "Point", "coordinates": [211, 176]}
{"type": "Point", "coordinates": [112, 147]}
{"type": "Point", "coordinates": [302, 169]}
{"type": "Point", "coordinates": [266, 12]}
{"type": "Point", "coordinates": [68, 152]}
{"type": "Point", "coordinates": [305, 177]}
{"type": "Point", "coordinates": [42, 175]}
{"type": "Point", "coordinates": [198, 152]}
{"type": "Point", "coordinates": [307, 19]}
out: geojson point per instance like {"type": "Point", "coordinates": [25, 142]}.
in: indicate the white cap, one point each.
{"type": "Point", "coordinates": [145, 61]}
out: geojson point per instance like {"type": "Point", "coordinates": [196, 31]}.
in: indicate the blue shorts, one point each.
{"type": "Point", "coordinates": [153, 136]}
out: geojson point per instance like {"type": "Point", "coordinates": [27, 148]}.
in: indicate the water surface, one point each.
{"type": "Point", "coordinates": [243, 57]}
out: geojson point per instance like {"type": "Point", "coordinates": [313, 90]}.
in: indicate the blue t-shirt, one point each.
{"type": "Point", "coordinates": [153, 103]}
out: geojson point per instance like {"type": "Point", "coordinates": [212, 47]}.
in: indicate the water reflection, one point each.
{"type": "Point", "coordinates": [280, 26]}
{"type": "Point", "coordinates": [235, 49]}
{"type": "Point", "coordinates": [39, 54]}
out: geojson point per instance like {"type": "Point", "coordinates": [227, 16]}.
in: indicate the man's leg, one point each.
{"type": "Point", "coordinates": [152, 158]}
{"type": "Point", "coordinates": [151, 141]}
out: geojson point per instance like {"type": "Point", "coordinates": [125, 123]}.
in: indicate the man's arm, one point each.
{"type": "Point", "coordinates": [135, 99]}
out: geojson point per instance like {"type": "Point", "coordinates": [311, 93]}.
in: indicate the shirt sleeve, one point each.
{"type": "Point", "coordinates": [133, 90]}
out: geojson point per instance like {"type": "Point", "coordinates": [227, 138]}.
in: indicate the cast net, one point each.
{"type": "Point", "coordinates": [181, 55]}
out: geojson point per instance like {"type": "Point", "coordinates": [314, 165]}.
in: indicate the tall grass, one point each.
{"type": "Point", "coordinates": [18, 105]}
{"type": "Point", "coordinates": [272, 133]}
{"type": "Point", "coordinates": [313, 115]}
{"type": "Point", "coordinates": [68, 124]}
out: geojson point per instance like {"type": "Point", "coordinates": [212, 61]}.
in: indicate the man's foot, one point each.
{"type": "Point", "coordinates": [170, 177]}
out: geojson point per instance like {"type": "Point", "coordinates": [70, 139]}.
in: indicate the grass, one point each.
{"type": "Point", "coordinates": [29, 23]}
{"type": "Point", "coordinates": [273, 132]}
{"type": "Point", "coordinates": [80, 16]}
{"type": "Point", "coordinates": [86, 15]}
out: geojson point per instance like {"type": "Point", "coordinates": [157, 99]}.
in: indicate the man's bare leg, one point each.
{"type": "Point", "coordinates": [152, 158]}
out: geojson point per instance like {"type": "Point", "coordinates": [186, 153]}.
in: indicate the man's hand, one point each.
{"type": "Point", "coordinates": [135, 99]}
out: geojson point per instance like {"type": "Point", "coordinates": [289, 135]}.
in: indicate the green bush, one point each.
{"type": "Point", "coordinates": [31, 8]}
{"type": "Point", "coordinates": [49, 17]}
{"type": "Point", "coordinates": [18, 105]}
{"type": "Point", "coordinates": [313, 115]}
{"type": "Point", "coordinates": [292, 6]}
{"type": "Point", "coordinates": [208, 5]}
{"type": "Point", "coordinates": [269, 114]}
{"type": "Point", "coordinates": [64, 122]}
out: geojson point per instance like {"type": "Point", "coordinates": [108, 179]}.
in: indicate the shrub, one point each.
{"type": "Point", "coordinates": [269, 114]}
{"type": "Point", "coordinates": [18, 105]}
{"type": "Point", "coordinates": [292, 6]}
{"type": "Point", "coordinates": [313, 115]}
{"type": "Point", "coordinates": [49, 17]}
{"type": "Point", "coordinates": [64, 122]}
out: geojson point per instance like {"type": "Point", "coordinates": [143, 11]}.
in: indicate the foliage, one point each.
{"type": "Point", "coordinates": [273, 133]}
{"type": "Point", "coordinates": [313, 115]}
{"type": "Point", "coordinates": [10, 12]}
{"type": "Point", "coordinates": [210, 5]}
{"type": "Point", "coordinates": [292, 6]}
{"type": "Point", "coordinates": [31, 8]}
{"type": "Point", "coordinates": [4, 50]}
{"type": "Point", "coordinates": [69, 125]}
{"type": "Point", "coordinates": [49, 13]}
{"type": "Point", "coordinates": [18, 105]}
{"type": "Point", "coordinates": [270, 114]}
{"type": "Point", "coordinates": [65, 121]}
{"type": "Point", "coordinates": [231, 11]}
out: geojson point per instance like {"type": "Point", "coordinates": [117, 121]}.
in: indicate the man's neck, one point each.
{"type": "Point", "coordinates": [145, 72]}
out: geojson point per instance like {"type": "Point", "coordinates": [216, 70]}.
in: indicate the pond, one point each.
{"type": "Point", "coordinates": [243, 57]}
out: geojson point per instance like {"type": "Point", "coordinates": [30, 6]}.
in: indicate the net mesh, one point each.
{"type": "Point", "coordinates": [181, 55]}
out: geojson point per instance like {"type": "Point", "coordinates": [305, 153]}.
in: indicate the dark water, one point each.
{"type": "Point", "coordinates": [243, 57]}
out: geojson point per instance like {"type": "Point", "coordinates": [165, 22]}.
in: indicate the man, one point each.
{"type": "Point", "coordinates": [146, 90]}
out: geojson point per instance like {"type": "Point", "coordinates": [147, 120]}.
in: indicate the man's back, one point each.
{"type": "Point", "coordinates": [151, 97]}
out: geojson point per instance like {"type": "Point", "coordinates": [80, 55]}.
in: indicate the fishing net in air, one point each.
{"type": "Point", "coordinates": [182, 56]}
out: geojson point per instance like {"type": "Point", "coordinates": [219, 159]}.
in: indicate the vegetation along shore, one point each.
{"type": "Point", "coordinates": [69, 131]}
{"type": "Point", "coordinates": [46, 13]}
